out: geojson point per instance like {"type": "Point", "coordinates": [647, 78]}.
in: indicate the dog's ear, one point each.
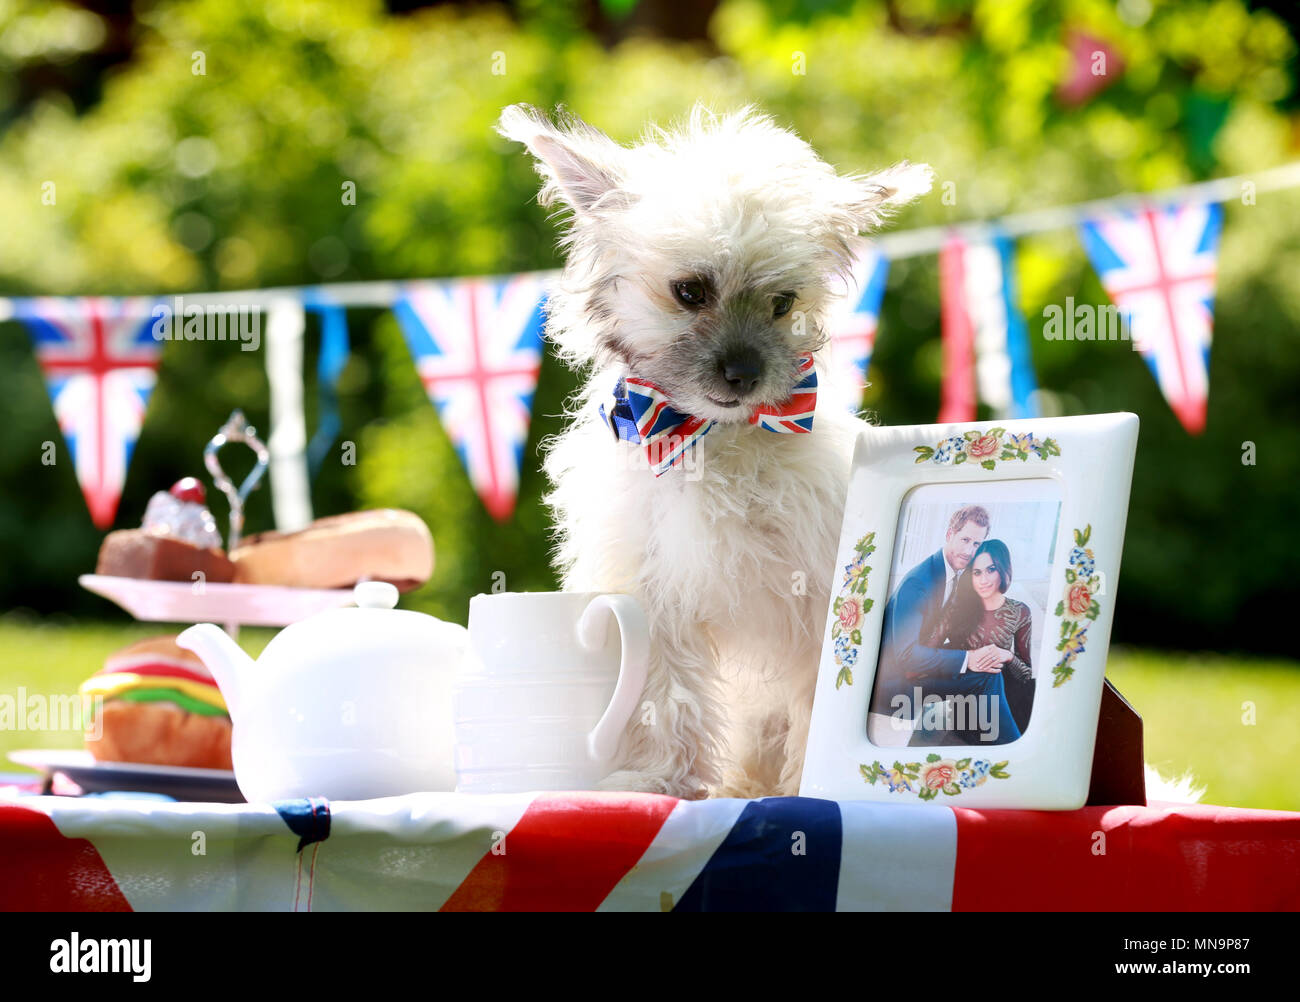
{"type": "Point", "coordinates": [871, 198]}
{"type": "Point", "coordinates": [579, 163]}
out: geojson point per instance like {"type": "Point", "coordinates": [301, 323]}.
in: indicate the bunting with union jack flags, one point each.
{"type": "Point", "coordinates": [985, 341]}
{"type": "Point", "coordinates": [854, 322]}
{"type": "Point", "coordinates": [99, 358]}
{"type": "Point", "coordinates": [477, 345]}
{"type": "Point", "coordinates": [1158, 265]}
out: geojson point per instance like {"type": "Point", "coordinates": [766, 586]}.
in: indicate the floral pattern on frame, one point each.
{"type": "Point", "coordinates": [1081, 585]}
{"type": "Point", "coordinates": [987, 448]}
{"type": "Point", "coordinates": [934, 776]}
{"type": "Point", "coordinates": [850, 610]}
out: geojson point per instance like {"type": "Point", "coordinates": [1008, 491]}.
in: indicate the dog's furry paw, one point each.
{"type": "Point", "coordinates": [741, 785]}
{"type": "Point", "coordinates": [629, 781]}
{"type": "Point", "coordinates": [742, 788]}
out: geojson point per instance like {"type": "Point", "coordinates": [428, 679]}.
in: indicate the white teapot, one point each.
{"type": "Point", "coordinates": [348, 704]}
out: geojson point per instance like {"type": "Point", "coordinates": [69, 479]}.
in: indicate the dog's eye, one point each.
{"type": "Point", "coordinates": [782, 304]}
{"type": "Point", "coordinates": [689, 293]}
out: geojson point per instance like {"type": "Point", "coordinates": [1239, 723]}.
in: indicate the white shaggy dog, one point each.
{"type": "Point", "coordinates": [706, 261]}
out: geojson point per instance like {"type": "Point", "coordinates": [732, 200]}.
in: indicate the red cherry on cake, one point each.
{"type": "Point", "coordinates": [188, 489]}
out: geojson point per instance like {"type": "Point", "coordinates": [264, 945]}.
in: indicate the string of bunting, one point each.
{"type": "Point", "coordinates": [477, 342]}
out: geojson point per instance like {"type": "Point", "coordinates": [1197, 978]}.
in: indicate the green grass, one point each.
{"type": "Point", "coordinates": [53, 656]}
{"type": "Point", "coordinates": [1195, 710]}
{"type": "Point", "coordinates": [1192, 705]}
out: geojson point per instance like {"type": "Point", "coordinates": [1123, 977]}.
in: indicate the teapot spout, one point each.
{"type": "Point", "coordinates": [222, 656]}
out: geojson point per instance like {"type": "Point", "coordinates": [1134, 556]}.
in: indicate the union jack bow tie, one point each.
{"type": "Point", "coordinates": [642, 414]}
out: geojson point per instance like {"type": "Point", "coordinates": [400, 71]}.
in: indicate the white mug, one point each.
{"type": "Point", "coordinates": [546, 689]}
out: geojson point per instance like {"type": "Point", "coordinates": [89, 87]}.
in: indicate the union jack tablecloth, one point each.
{"type": "Point", "coordinates": [638, 852]}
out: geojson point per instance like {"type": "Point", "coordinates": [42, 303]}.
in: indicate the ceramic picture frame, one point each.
{"type": "Point", "coordinates": [963, 664]}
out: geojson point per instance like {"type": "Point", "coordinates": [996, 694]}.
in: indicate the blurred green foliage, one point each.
{"type": "Point", "coordinates": [232, 177]}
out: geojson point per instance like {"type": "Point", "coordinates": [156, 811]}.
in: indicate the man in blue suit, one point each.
{"type": "Point", "coordinates": [908, 666]}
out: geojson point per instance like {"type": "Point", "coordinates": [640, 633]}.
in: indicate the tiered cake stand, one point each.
{"type": "Point", "coordinates": [209, 602]}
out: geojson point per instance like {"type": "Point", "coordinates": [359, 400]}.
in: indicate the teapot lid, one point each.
{"type": "Point", "coordinates": [375, 595]}
{"type": "Point", "coordinates": [374, 627]}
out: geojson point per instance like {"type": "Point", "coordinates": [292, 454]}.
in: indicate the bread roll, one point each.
{"type": "Point", "coordinates": [336, 552]}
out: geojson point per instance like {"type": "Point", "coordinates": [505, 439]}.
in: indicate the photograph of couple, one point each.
{"type": "Point", "coordinates": [967, 597]}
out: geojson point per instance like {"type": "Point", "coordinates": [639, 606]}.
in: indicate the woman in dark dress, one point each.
{"type": "Point", "coordinates": [979, 614]}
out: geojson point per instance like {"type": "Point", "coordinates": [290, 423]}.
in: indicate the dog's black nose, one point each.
{"type": "Point", "coordinates": [742, 371]}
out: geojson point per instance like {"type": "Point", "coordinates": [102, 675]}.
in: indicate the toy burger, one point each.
{"type": "Point", "coordinates": [161, 706]}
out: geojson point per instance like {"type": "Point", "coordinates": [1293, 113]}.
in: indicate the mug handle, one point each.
{"type": "Point", "coordinates": [634, 631]}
